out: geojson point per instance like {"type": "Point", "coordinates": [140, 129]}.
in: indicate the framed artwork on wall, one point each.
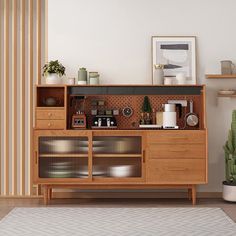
{"type": "Point", "coordinates": [177, 54]}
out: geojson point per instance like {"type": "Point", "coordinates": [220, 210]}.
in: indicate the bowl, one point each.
{"type": "Point", "coordinates": [121, 171]}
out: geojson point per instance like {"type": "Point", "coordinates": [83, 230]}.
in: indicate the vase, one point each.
{"type": "Point", "coordinates": [158, 77]}
{"type": "Point", "coordinates": [82, 76]}
{"type": "Point", "coordinates": [53, 79]}
{"type": "Point", "coordinates": [229, 192]}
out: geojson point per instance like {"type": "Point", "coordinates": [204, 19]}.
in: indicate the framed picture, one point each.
{"type": "Point", "coordinates": [176, 54]}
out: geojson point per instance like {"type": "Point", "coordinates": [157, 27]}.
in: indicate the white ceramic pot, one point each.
{"type": "Point", "coordinates": [229, 192]}
{"type": "Point", "coordinates": [53, 79]}
{"type": "Point", "coordinates": [181, 78]}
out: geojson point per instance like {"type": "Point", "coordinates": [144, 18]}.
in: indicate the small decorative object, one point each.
{"type": "Point", "coordinates": [180, 78]}
{"type": "Point", "coordinates": [93, 78]}
{"type": "Point", "coordinates": [159, 118]}
{"type": "Point", "coordinates": [127, 111]}
{"type": "Point", "coordinates": [108, 112]}
{"type": "Point", "coordinates": [153, 116]}
{"type": "Point", "coordinates": [82, 76]}
{"type": "Point", "coordinates": [177, 54]}
{"type": "Point", "coordinates": [53, 70]}
{"type": "Point", "coordinates": [79, 121]}
{"type": "Point", "coordinates": [148, 119]}
{"type": "Point", "coordinates": [169, 80]}
{"type": "Point", "coordinates": [227, 67]}
{"type": "Point", "coordinates": [51, 101]}
{"type": "Point", "coordinates": [158, 77]}
{"type": "Point", "coordinates": [226, 92]}
{"type": "Point", "coordinates": [116, 112]}
{"type": "Point", "coordinates": [94, 112]}
{"type": "Point", "coordinates": [229, 185]}
{"type": "Point", "coordinates": [101, 103]}
{"type": "Point", "coordinates": [142, 121]}
{"type": "Point", "coordinates": [71, 81]}
{"type": "Point", "coordinates": [146, 105]}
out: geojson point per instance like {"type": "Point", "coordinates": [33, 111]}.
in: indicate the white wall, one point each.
{"type": "Point", "coordinates": [114, 38]}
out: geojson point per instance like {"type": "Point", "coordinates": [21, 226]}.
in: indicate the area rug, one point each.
{"type": "Point", "coordinates": [50, 221]}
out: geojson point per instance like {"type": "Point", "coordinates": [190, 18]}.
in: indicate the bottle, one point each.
{"type": "Point", "coordinates": [158, 76]}
{"type": "Point", "coordinates": [142, 121]}
{"type": "Point", "coordinates": [153, 116]}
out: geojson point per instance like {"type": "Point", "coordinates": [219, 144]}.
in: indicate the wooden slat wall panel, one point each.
{"type": "Point", "coordinates": [6, 95]}
{"type": "Point", "coordinates": [30, 91]}
{"type": "Point", "coordinates": [23, 39]}
{"type": "Point", "coordinates": [14, 97]}
{"type": "Point", "coordinates": [22, 80]}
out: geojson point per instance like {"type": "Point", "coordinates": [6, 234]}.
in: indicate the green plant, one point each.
{"type": "Point", "coordinates": [146, 105]}
{"type": "Point", "coordinates": [53, 67]}
{"type": "Point", "coordinates": [230, 152]}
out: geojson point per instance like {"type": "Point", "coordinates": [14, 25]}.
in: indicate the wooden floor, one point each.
{"type": "Point", "coordinates": [6, 205]}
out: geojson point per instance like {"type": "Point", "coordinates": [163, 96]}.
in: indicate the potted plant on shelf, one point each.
{"type": "Point", "coordinates": [229, 185]}
{"type": "Point", "coordinates": [53, 70]}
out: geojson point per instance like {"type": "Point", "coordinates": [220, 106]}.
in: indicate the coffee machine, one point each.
{"type": "Point", "coordinates": [169, 116]}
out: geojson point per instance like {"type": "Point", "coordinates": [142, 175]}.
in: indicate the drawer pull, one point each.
{"type": "Point", "coordinates": [49, 124]}
{"type": "Point", "coordinates": [49, 114]}
{"type": "Point", "coordinates": [177, 169]}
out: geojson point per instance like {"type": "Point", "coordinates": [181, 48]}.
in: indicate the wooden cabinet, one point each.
{"type": "Point", "coordinates": [122, 158]}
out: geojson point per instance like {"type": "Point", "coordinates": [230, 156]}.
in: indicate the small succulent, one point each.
{"type": "Point", "coordinates": [53, 67]}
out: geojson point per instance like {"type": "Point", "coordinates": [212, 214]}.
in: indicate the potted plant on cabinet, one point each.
{"type": "Point", "coordinates": [229, 185]}
{"type": "Point", "coordinates": [53, 70]}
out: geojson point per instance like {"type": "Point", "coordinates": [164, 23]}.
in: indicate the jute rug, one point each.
{"type": "Point", "coordinates": [50, 221]}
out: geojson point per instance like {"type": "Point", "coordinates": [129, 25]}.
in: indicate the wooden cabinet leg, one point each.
{"type": "Point", "coordinates": [194, 194]}
{"type": "Point", "coordinates": [189, 194]}
{"type": "Point", "coordinates": [49, 193]}
{"type": "Point", "coordinates": [45, 198]}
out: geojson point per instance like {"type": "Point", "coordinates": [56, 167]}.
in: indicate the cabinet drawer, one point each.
{"type": "Point", "coordinates": [50, 114]}
{"type": "Point", "coordinates": [176, 136]}
{"type": "Point", "coordinates": [176, 151]}
{"type": "Point", "coordinates": [176, 171]}
{"type": "Point", "coordinates": [50, 124]}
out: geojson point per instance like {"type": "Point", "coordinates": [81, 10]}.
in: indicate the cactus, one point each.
{"type": "Point", "coordinates": [230, 152]}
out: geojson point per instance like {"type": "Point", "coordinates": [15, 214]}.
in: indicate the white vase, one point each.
{"type": "Point", "coordinates": [53, 79]}
{"type": "Point", "coordinates": [158, 76]}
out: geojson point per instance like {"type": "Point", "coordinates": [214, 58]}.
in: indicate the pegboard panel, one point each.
{"type": "Point", "coordinates": [135, 102]}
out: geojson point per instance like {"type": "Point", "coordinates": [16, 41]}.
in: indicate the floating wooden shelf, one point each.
{"type": "Point", "coordinates": [63, 155]}
{"type": "Point", "coordinates": [117, 155]}
{"type": "Point", "coordinates": [218, 76]}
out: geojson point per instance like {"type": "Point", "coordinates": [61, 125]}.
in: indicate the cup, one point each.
{"type": "Point", "coordinates": [71, 81]}
{"type": "Point", "coordinates": [227, 67]}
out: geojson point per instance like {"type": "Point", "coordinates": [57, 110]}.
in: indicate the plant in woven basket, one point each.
{"type": "Point", "coordinates": [230, 153]}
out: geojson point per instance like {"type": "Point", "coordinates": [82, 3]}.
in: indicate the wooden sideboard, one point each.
{"type": "Point", "coordinates": [77, 158]}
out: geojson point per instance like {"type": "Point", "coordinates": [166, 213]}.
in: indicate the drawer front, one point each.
{"type": "Point", "coordinates": [176, 171]}
{"type": "Point", "coordinates": [173, 151]}
{"type": "Point", "coordinates": [50, 114]}
{"type": "Point", "coordinates": [50, 124]}
{"type": "Point", "coordinates": [176, 136]}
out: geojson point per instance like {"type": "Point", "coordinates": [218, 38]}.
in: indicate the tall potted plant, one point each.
{"type": "Point", "coordinates": [229, 185]}
{"type": "Point", "coordinates": [53, 70]}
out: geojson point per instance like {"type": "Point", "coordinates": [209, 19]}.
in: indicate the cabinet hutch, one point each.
{"type": "Point", "coordinates": [120, 156]}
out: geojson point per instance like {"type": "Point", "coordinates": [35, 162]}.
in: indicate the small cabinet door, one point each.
{"type": "Point", "coordinates": [117, 158]}
{"type": "Point", "coordinates": [60, 157]}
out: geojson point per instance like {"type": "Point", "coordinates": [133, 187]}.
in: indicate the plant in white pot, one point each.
{"type": "Point", "coordinates": [53, 70]}
{"type": "Point", "coordinates": [229, 185]}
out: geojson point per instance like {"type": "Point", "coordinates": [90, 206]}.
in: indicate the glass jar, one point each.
{"type": "Point", "coordinates": [93, 78]}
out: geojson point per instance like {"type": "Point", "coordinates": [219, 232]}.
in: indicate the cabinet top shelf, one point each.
{"type": "Point", "coordinates": [218, 76]}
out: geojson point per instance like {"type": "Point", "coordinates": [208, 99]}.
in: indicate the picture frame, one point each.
{"type": "Point", "coordinates": [177, 54]}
